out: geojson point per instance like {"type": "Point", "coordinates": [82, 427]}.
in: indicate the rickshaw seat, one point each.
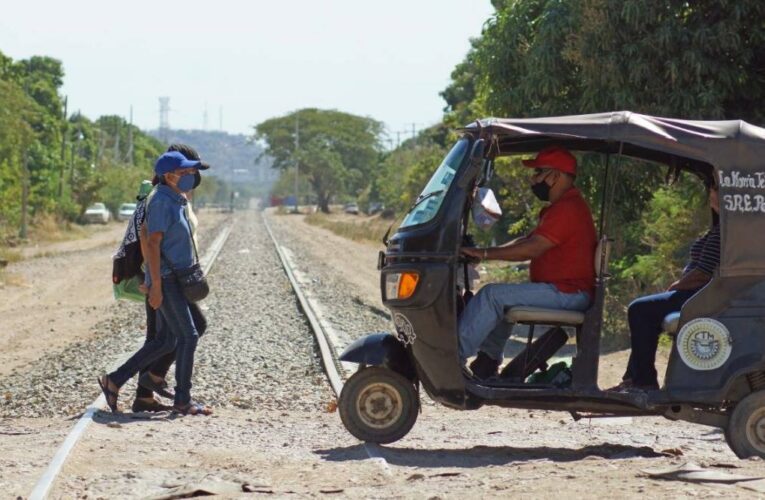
{"type": "Point", "coordinates": [670, 323]}
{"type": "Point", "coordinates": [527, 314]}
{"type": "Point", "coordinates": [562, 317]}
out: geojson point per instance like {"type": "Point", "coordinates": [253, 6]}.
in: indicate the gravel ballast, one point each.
{"type": "Point", "coordinates": [258, 350]}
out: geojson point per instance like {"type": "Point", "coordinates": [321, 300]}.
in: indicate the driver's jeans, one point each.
{"type": "Point", "coordinates": [481, 325]}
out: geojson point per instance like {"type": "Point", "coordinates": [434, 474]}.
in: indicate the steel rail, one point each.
{"type": "Point", "coordinates": [330, 359]}
{"type": "Point", "coordinates": [44, 484]}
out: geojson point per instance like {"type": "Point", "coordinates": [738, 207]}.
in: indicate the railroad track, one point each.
{"type": "Point", "coordinates": [44, 484]}
{"type": "Point", "coordinates": [334, 369]}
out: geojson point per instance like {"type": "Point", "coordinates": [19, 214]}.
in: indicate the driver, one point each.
{"type": "Point", "coordinates": [562, 271]}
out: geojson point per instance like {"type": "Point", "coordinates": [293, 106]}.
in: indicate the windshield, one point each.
{"type": "Point", "coordinates": [97, 206]}
{"type": "Point", "coordinates": [128, 206]}
{"type": "Point", "coordinates": [427, 204]}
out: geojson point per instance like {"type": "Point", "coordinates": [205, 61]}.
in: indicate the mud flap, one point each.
{"type": "Point", "coordinates": [380, 349]}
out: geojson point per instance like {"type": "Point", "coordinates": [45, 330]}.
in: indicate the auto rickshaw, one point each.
{"type": "Point", "coordinates": [716, 371]}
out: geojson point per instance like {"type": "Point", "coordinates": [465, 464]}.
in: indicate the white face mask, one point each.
{"type": "Point", "coordinates": [486, 211]}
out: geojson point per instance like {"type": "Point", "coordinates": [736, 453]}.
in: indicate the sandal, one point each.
{"type": "Point", "coordinates": [149, 405]}
{"type": "Point", "coordinates": [160, 388]}
{"type": "Point", "coordinates": [192, 408]}
{"type": "Point", "coordinates": [110, 395]}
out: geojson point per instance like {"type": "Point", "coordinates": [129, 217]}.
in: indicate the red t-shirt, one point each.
{"type": "Point", "coordinates": [570, 264]}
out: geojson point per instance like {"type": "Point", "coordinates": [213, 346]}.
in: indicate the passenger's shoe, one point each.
{"type": "Point", "coordinates": [621, 386]}
{"type": "Point", "coordinates": [483, 366]}
{"type": "Point", "coordinates": [627, 386]}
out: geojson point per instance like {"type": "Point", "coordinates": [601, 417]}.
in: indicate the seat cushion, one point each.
{"type": "Point", "coordinates": [527, 314]}
{"type": "Point", "coordinates": [671, 320]}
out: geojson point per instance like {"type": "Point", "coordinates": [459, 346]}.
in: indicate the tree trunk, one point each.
{"type": "Point", "coordinates": [322, 195]}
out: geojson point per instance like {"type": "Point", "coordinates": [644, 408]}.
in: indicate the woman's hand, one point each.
{"type": "Point", "coordinates": [155, 296]}
{"type": "Point", "coordinates": [673, 286]}
{"type": "Point", "coordinates": [143, 288]}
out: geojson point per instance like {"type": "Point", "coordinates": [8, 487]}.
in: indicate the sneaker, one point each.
{"type": "Point", "coordinates": [483, 366]}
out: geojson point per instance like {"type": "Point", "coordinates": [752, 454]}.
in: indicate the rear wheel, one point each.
{"type": "Point", "coordinates": [378, 405]}
{"type": "Point", "coordinates": [745, 433]}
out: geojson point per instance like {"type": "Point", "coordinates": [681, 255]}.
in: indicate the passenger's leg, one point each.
{"type": "Point", "coordinates": [645, 316]}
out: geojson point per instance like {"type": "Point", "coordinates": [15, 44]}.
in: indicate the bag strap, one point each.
{"type": "Point", "coordinates": [193, 243]}
{"type": "Point", "coordinates": [191, 234]}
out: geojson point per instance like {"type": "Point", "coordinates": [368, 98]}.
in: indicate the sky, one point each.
{"type": "Point", "coordinates": [253, 59]}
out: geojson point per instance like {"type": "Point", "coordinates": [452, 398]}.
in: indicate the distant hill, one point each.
{"type": "Point", "coordinates": [233, 159]}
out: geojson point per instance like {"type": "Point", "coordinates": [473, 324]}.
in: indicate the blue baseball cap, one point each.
{"type": "Point", "coordinates": [173, 161]}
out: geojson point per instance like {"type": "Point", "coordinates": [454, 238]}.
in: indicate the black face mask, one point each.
{"type": "Point", "coordinates": [541, 190]}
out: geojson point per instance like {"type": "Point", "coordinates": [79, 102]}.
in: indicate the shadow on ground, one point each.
{"type": "Point", "coordinates": [123, 418]}
{"type": "Point", "coordinates": [482, 456]}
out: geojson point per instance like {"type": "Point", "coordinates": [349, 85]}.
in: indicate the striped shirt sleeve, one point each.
{"type": "Point", "coordinates": [708, 257]}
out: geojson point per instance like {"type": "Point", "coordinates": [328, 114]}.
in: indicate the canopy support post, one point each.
{"type": "Point", "coordinates": [587, 360]}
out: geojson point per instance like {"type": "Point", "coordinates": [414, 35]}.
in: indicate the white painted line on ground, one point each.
{"type": "Point", "coordinates": [44, 484]}
{"type": "Point", "coordinates": [321, 329]}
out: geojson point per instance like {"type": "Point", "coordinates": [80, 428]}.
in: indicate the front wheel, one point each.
{"type": "Point", "coordinates": [378, 405]}
{"type": "Point", "coordinates": [745, 432]}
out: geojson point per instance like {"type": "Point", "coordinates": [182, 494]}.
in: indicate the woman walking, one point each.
{"type": "Point", "coordinates": [152, 379]}
{"type": "Point", "coordinates": [170, 248]}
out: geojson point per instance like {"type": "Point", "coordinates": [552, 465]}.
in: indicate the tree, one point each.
{"type": "Point", "coordinates": [337, 151]}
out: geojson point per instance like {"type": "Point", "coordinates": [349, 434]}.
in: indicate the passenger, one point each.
{"type": "Point", "coordinates": [646, 314]}
{"type": "Point", "coordinates": [152, 378]}
{"type": "Point", "coordinates": [562, 272]}
{"type": "Point", "coordinates": [170, 246]}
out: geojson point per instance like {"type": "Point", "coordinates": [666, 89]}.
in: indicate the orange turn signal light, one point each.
{"type": "Point", "coordinates": [407, 285]}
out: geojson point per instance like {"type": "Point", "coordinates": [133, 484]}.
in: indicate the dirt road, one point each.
{"type": "Point", "coordinates": [59, 292]}
{"type": "Point", "coordinates": [273, 432]}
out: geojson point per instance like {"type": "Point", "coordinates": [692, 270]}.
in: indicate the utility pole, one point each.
{"type": "Point", "coordinates": [24, 194]}
{"type": "Point", "coordinates": [414, 136]}
{"type": "Point", "coordinates": [297, 162]}
{"type": "Point", "coordinates": [204, 118]}
{"type": "Point", "coordinates": [63, 151]}
{"type": "Point", "coordinates": [116, 154]}
{"type": "Point", "coordinates": [25, 180]}
{"type": "Point", "coordinates": [129, 155]}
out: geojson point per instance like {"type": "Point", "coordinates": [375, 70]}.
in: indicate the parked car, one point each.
{"type": "Point", "coordinates": [351, 208]}
{"type": "Point", "coordinates": [126, 211]}
{"type": "Point", "coordinates": [375, 207]}
{"type": "Point", "coordinates": [97, 212]}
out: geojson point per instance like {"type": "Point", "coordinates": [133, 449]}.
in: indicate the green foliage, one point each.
{"type": "Point", "coordinates": [695, 60]}
{"type": "Point", "coordinates": [67, 163]}
{"type": "Point", "coordinates": [337, 151]}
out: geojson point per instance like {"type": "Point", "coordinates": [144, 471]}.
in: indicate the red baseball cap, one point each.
{"type": "Point", "coordinates": [554, 157]}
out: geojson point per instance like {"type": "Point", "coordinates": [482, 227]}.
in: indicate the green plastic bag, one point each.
{"type": "Point", "coordinates": [558, 374]}
{"type": "Point", "coordinates": [128, 289]}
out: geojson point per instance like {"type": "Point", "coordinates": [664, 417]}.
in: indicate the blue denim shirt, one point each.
{"type": "Point", "coordinates": [165, 214]}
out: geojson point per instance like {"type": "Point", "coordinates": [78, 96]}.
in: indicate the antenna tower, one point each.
{"type": "Point", "coordinates": [164, 118]}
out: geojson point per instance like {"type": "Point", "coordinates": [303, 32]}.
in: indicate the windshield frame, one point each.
{"type": "Point", "coordinates": [451, 165]}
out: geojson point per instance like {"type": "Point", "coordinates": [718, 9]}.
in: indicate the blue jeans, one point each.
{"type": "Point", "coordinates": [175, 331]}
{"type": "Point", "coordinates": [486, 311]}
{"type": "Point", "coordinates": [175, 318]}
{"type": "Point", "coordinates": [645, 316]}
